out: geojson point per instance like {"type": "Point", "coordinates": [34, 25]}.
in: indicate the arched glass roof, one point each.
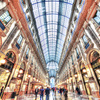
{"type": "Point", "coordinates": [52, 65]}
{"type": "Point", "coordinates": [52, 19]}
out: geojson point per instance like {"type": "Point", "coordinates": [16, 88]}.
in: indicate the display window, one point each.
{"type": "Point", "coordinates": [95, 63]}
{"type": "Point", "coordinates": [6, 66]}
{"type": "Point", "coordinates": [20, 77]}
{"type": "Point", "coordinates": [85, 78]}
{"type": "Point", "coordinates": [4, 74]}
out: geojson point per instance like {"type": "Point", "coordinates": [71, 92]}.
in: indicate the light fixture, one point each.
{"type": "Point", "coordinates": [7, 71]}
{"type": "Point", "coordinates": [18, 75]}
{"type": "Point", "coordinates": [86, 75]}
{"type": "Point", "coordinates": [29, 75]}
{"type": "Point", "coordinates": [98, 71]}
{"type": "Point", "coordinates": [75, 75]}
{"type": "Point", "coordinates": [2, 61]}
{"type": "Point", "coordinates": [21, 71]}
{"type": "Point", "coordinates": [84, 70]}
{"type": "Point", "coordinates": [70, 77]}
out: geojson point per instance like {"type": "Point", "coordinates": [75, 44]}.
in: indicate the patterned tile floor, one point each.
{"type": "Point", "coordinates": [52, 96]}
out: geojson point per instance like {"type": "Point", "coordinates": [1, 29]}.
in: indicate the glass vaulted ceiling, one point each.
{"type": "Point", "coordinates": [52, 18]}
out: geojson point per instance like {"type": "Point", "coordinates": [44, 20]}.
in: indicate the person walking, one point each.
{"type": "Point", "coordinates": [78, 91]}
{"type": "Point", "coordinates": [1, 90]}
{"type": "Point", "coordinates": [65, 94]}
{"type": "Point", "coordinates": [41, 93]}
{"type": "Point", "coordinates": [60, 91]}
{"type": "Point", "coordinates": [47, 92]}
{"type": "Point", "coordinates": [36, 93]}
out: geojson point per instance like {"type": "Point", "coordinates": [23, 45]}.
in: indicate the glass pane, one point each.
{"type": "Point", "coordinates": [85, 40]}
{"type": "Point", "coordinates": [5, 18]}
{"type": "Point", "coordinates": [19, 39]}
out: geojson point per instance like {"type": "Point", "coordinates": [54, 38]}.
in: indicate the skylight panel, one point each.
{"type": "Point", "coordinates": [47, 6]}
{"type": "Point", "coordinates": [46, 15]}
{"type": "Point", "coordinates": [71, 1]}
{"type": "Point", "coordinates": [68, 11]}
{"type": "Point", "coordinates": [42, 20]}
{"type": "Point", "coordinates": [50, 7]}
{"type": "Point", "coordinates": [57, 6]}
{"type": "Point", "coordinates": [33, 1]}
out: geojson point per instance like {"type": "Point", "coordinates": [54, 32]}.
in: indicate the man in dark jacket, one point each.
{"type": "Point", "coordinates": [47, 92]}
{"type": "Point", "coordinates": [41, 93]}
{"type": "Point", "coordinates": [36, 92]}
{"type": "Point", "coordinates": [65, 94]}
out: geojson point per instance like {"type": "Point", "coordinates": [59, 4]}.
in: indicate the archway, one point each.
{"type": "Point", "coordinates": [6, 68]}
{"type": "Point", "coordinates": [94, 59]}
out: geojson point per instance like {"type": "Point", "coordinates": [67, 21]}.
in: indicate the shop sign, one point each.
{"type": "Point", "coordinates": [8, 66]}
{"type": "Point", "coordinates": [95, 64]}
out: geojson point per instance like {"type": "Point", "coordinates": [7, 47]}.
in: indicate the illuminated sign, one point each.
{"type": "Point", "coordinates": [96, 63]}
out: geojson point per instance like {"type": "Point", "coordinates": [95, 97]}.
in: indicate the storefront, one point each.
{"type": "Point", "coordinates": [20, 79]}
{"type": "Point", "coordinates": [6, 66]}
{"type": "Point", "coordinates": [85, 78]}
{"type": "Point", "coordinates": [75, 79]}
{"type": "Point", "coordinates": [95, 63]}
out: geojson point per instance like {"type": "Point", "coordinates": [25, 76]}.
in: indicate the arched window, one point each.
{"type": "Point", "coordinates": [11, 56]}
{"type": "Point", "coordinates": [97, 17]}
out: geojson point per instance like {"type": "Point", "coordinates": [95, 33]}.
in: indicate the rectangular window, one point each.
{"type": "Point", "coordinates": [77, 53]}
{"type": "Point", "coordinates": [86, 43]}
{"type": "Point", "coordinates": [5, 18]}
{"type": "Point", "coordinates": [97, 17]}
{"type": "Point", "coordinates": [27, 53]}
{"type": "Point", "coordinates": [19, 41]}
{"type": "Point", "coordinates": [2, 26]}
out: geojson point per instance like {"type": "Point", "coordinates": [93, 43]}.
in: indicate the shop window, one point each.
{"type": "Point", "coordinates": [97, 17]}
{"type": "Point", "coordinates": [5, 18]}
{"type": "Point", "coordinates": [19, 41]}
{"type": "Point", "coordinates": [95, 63]}
{"type": "Point", "coordinates": [86, 43]}
{"type": "Point", "coordinates": [9, 61]}
{"type": "Point", "coordinates": [2, 26]}
{"type": "Point", "coordinates": [27, 53]}
{"type": "Point", "coordinates": [77, 52]}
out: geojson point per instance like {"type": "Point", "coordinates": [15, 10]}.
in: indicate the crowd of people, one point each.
{"type": "Point", "coordinates": [47, 92]}
{"type": "Point", "coordinates": [42, 91]}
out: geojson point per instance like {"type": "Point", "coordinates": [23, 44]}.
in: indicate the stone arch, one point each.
{"type": "Point", "coordinates": [14, 51]}
{"type": "Point", "coordinates": [89, 54]}
{"type": "Point", "coordinates": [93, 59]}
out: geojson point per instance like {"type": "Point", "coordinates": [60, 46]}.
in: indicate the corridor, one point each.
{"type": "Point", "coordinates": [49, 44]}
